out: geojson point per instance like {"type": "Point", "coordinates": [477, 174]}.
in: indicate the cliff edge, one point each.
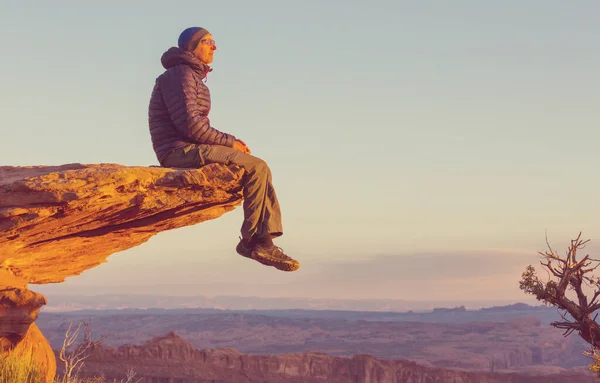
{"type": "Point", "coordinates": [58, 221]}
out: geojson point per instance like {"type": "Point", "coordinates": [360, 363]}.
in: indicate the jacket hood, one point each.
{"type": "Point", "coordinates": [177, 56]}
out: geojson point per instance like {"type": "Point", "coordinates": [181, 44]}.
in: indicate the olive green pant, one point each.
{"type": "Point", "coordinates": [261, 208]}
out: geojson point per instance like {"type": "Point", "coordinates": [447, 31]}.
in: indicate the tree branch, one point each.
{"type": "Point", "coordinates": [568, 273]}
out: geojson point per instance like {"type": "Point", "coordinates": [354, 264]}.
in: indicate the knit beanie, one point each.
{"type": "Point", "coordinates": [189, 38]}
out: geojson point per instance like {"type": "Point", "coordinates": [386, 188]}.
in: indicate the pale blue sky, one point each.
{"type": "Point", "coordinates": [393, 128]}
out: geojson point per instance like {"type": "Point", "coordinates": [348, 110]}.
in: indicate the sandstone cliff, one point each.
{"type": "Point", "coordinates": [58, 221]}
{"type": "Point", "coordinates": [171, 359]}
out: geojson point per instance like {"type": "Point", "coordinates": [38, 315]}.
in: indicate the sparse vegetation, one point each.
{"type": "Point", "coordinates": [130, 379]}
{"type": "Point", "coordinates": [18, 368]}
{"type": "Point", "coordinates": [72, 353]}
{"type": "Point", "coordinates": [15, 368]}
{"type": "Point", "coordinates": [565, 288]}
{"type": "Point", "coordinates": [22, 369]}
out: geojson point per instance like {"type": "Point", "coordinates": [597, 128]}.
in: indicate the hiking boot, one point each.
{"type": "Point", "coordinates": [270, 256]}
{"type": "Point", "coordinates": [274, 256]}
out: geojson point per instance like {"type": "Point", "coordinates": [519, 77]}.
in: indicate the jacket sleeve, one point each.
{"type": "Point", "coordinates": [179, 91]}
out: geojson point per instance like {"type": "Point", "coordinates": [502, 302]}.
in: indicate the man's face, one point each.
{"type": "Point", "coordinates": [206, 49]}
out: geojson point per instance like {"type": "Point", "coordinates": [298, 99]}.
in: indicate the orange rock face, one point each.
{"type": "Point", "coordinates": [34, 345]}
{"type": "Point", "coordinates": [58, 221]}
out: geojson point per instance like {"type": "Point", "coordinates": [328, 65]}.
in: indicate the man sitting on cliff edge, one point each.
{"type": "Point", "coordinates": [182, 137]}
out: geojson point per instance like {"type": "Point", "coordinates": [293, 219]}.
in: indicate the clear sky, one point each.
{"type": "Point", "coordinates": [420, 149]}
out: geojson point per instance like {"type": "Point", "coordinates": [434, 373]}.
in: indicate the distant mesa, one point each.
{"type": "Point", "coordinates": [59, 221]}
{"type": "Point", "coordinates": [170, 358]}
{"type": "Point", "coordinates": [460, 309]}
{"type": "Point", "coordinates": [513, 307]}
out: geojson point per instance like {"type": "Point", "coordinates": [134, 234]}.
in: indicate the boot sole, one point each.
{"type": "Point", "coordinates": [283, 266]}
{"type": "Point", "coordinates": [279, 265]}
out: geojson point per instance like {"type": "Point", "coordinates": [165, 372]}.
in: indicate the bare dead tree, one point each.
{"type": "Point", "coordinates": [131, 376]}
{"type": "Point", "coordinates": [565, 274]}
{"type": "Point", "coordinates": [74, 353]}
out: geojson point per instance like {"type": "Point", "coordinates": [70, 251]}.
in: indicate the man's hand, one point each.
{"type": "Point", "coordinates": [241, 146]}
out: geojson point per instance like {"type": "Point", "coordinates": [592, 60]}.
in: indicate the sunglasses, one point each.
{"type": "Point", "coordinates": [208, 42]}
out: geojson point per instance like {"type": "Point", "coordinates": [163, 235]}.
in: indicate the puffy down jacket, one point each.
{"type": "Point", "coordinates": [179, 105]}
